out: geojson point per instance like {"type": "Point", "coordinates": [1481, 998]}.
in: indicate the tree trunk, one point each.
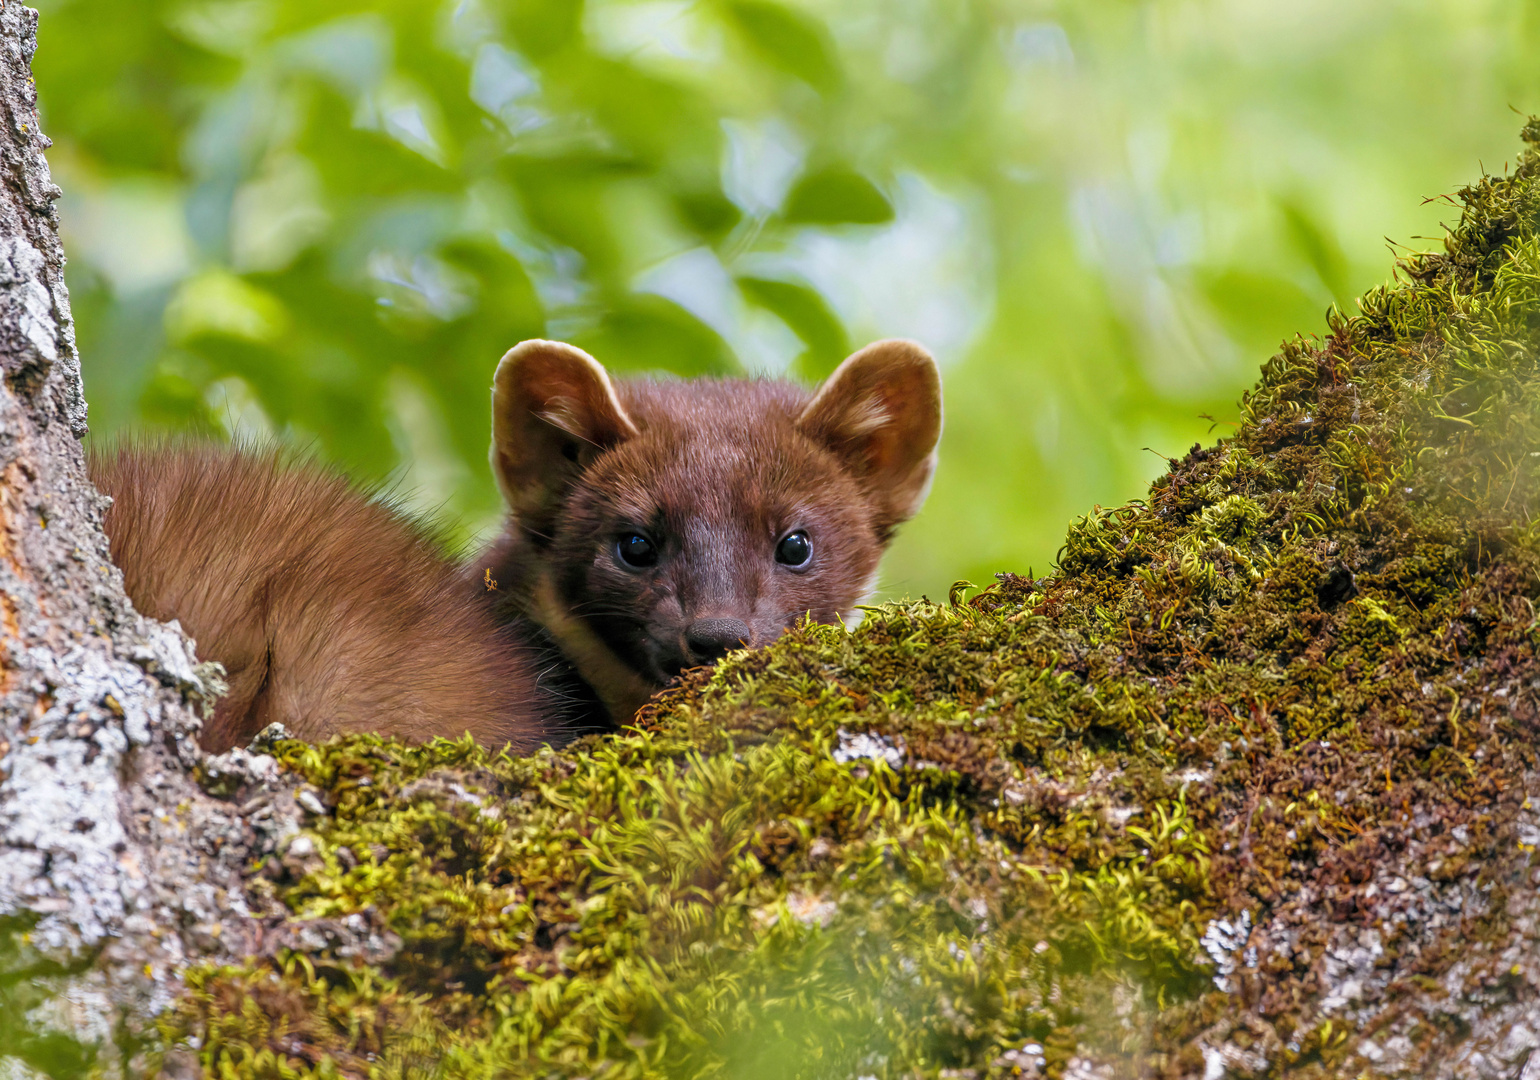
{"type": "Point", "coordinates": [1249, 788]}
{"type": "Point", "coordinates": [111, 872]}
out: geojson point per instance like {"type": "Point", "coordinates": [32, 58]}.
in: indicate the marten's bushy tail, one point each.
{"type": "Point", "coordinates": [330, 612]}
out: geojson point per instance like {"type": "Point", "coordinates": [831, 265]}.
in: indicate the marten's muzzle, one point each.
{"type": "Point", "coordinates": [708, 640]}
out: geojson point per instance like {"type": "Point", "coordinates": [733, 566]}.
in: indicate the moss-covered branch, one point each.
{"type": "Point", "coordinates": [1243, 789]}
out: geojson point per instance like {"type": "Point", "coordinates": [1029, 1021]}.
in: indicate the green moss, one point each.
{"type": "Point", "coordinates": [29, 980]}
{"type": "Point", "coordinates": [1236, 689]}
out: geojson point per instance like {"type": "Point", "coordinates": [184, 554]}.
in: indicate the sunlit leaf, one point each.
{"type": "Point", "coordinates": [509, 311]}
{"type": "Point", "coordinates": [509, 305]}
{"type": "Point", "coordinates": [657, 121]}
{"type": "Point", "coordinates": [542, 27]}
{"type": "Point", "coordinates": [643, 332]}
{"type": "Point", "coordinates": [837, 196]}
{"type": "Point", "coordinates": [710, 213]}
{"type": "Point", "coordinates": [363, 162]}
{"type": "Point", "coordinates": [565, 201]}
{"type": "Point", "coordinates": [1319, 246]}
{"type": "Point", "coordinates": [808, 315]}
{"type": "Point", "coordinates": [105, 66]}
{"type": "Point", "coordinates": [216, 302]}
{"type": "Point", "coordinates": [171, 400]}
{"type": "Point", "coordinates": [789, 39]}
{"type": "Point", "coordinates": [1258, 309]}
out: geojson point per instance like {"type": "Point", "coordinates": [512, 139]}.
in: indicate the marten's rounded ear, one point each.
{"type": "Point", "coordinates": [881, 412]}
{"type": "Point", "coordinates": [553, 410]}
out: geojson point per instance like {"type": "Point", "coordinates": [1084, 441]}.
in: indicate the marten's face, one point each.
{"type": "Point", "coordinates": [676, 521]}
{"type": "Point", "coordinates": [718, 526]}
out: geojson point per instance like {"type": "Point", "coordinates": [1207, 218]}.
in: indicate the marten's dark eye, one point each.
{"type": "Point", "coordinates": [635, 550]}
{"type": "Point", "coordinates": [795, 550]}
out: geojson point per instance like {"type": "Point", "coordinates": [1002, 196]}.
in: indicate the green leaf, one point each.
{"type": "Point", "coordinates": [172, 401]}
{"type": "Point", "coordinates": [360, 162]}
{"type": "Point", "coordinates": [806, 312]}
{"type": "Point", "coordinates": [541, 27]}
{"type": "Point", "coordinates": [509, 312]}
{"type": "Point", "coordinates": [1258, 309]}
{"type": "Point", "coordinates": [710, 213]}
{"type": "Point", "coordinates": [509, 308]}
{"type": "Point", "coordinates": [837, 196]}
{"type": "Point", "coordinates": [1316, 243]}
{"type": "Point", "coordinates": [642, 332]}
{"type": "Point", "coordinates": [792, 40]}
{"type": "Point", "coordinates": [658, 122]}
{"type": "Point", "coordinates": [565, 198]}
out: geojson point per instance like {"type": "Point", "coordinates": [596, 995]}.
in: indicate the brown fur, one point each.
{"type": "Point", "coordinates": [329, 611]}
{"type": "Point", "coordinates": [332, 613]}
{"type": "Point", "coordinates": [717, 472]}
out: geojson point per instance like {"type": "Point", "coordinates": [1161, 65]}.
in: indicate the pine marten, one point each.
{"type": "Point", "coordinates": [652, 526]}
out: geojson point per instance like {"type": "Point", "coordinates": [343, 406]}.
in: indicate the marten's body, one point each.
{"type": "Point", "coordinates": [329, 611]}
{"type": "Point", "coordinates": [653, 526]}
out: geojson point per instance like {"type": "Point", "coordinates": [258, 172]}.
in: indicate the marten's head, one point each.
{"type": "Point", "coordinates": [670, 522]}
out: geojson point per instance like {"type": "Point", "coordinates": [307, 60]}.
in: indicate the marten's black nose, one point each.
{"type": "Point", "coordinates": [710, 639]}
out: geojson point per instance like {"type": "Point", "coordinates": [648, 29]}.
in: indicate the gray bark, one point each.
{"type": "Point", "coordinates": [115, 867]}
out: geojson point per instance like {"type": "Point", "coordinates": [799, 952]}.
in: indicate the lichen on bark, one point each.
{"type": "Point", "coordinates": [1245, 788]}
{"type": "Point", "coordinates": [114, 870]}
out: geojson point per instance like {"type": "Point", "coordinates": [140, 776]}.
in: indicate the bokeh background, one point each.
{"type": "Point", "coordinates": [327, 220]}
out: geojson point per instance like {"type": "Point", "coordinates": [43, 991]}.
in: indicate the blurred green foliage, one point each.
{"type": "Point", "coordinates": [329, 219]}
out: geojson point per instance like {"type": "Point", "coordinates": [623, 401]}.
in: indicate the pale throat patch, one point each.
{"type": "Point", "coordinates": [620, 688]}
